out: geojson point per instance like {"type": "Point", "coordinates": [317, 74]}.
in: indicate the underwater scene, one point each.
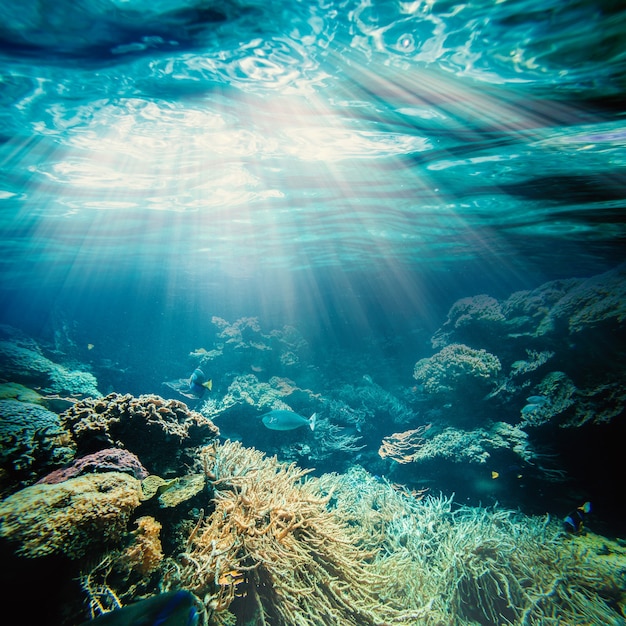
{"type": "Point", "coordinates": [312, 312]}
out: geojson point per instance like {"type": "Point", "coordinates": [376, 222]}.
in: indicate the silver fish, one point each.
{"type": "Point", "coordinates": [279, 419]}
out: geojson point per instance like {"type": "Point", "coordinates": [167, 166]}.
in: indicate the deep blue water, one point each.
{"type": "Point", "coordinates": [350, 168]}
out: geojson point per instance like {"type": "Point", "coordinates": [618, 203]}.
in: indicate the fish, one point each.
{"type": "Point", "coordinates": [574, 522]}
{"type": "Point", "coordinates": [193, 387]}
{"type": "Point", "coordinates": [279, 419]}
{"type": "Point", "coordinates": [537, 400]}
{"type": "Point", "coordinates": [530, 408]}
{"type": "Point", "coordinates": [90, 346]}
{"type": "Point", "coordinates": [495, 475]}
{"type": "Point", "coordinates": [198, 383]}
{"type": "Point", "coordinates": [174, 608]}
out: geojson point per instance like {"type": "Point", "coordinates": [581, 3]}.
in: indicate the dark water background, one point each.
{"type": "Point", "coordinates": [348, 168]}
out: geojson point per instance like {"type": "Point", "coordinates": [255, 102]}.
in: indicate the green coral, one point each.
{"type": "Point", "coordinates": [457, 367]}
{"type": "Point", "coordinates": [74, 517]}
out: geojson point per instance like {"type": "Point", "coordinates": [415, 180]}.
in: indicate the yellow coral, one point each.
{"type": "Point", "coordinates": [145, 554]}
{"type": "Point", "coordinates": [72, 517]}
{"type": "Point", "coordinates": [273, 539]}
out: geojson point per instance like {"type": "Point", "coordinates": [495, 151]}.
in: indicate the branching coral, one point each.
{"type": "Point", "coordinates": [463, 566]}
{"type": "Point", "coordinates": [456, 368]}
{"type": "Point", "coordinates": [456, 445]}
{"type": "Point", "coordinates": [158, 431]}
{"type": "Point", "coordinates": [403, 447]}
{"type": "Point", "coordinates": [272, 538]}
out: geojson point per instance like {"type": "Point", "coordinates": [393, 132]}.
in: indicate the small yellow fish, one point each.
{"type": "Point", "coordinates": [494, 475]}
{"type": "Point", "coordinates": [90, 346]}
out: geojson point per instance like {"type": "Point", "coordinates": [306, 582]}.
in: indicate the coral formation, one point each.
{"type": "Point", "coordinates": [73, 517]}
{"type": "Point", "coordinates": [272, 539]}
{"type": "Point", "coordinates": [596, 301]}
{"type": "Point", "coordinates": [457, 368]}
{"type": "Point", "coordinates": [403, 447]}
{"type": "Point", "coordinates": [160, 432]}
{"type": "Point", "coordinates": [174, 491]}
{"type": "Point", "coordinates": [145, 553]}
{"type": "Point", "coordinates": [458, 446]}
{"type": "Point", "coordinates": [477, 318]}
{"type": "Point", "coordinates": [32, 442]}
{"type": "Point", "coordinates": [462, 566]}
{"type": "Point", "coordinates": [242, 346]}
{"type": "Point", "coordinates": [15, 391]}
{"type": "Point", "coordinates": [23, 362]}
{"type": "Point", "coordinates": [107, 460]}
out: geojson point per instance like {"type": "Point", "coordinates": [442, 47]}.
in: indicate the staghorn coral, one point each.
{"type": "Point", "coordinates": [403, 447]}
{"type": "Point", "coordinates": [160, 432]}
{"type": "Point", "coordinates": [75, 517]}
{"type": "Point", "coordinates": [457, 368]}
{"type": "Point", "coordinates": [466, 566]}
{"type": "Point", "coordinates": [272, 539]}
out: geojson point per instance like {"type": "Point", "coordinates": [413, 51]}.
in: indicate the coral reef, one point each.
{"type": "Point", "coordinates": [242, 346]}
{"type": "Point", "coordinates": [73, 518]}
{"type": "Point", "coordinates": [32, 442]}
{"type": "Point", "coordinates": [15, 391]}
{"type": "Point", "coordinates": [246, 393]}
{"type": "Point", "coordinates": [403, 447]}
{"type": "Point", "coordinates": [590, 303]}
{"type": "Point", "coordinates": [272, 546]}
{"type": "Point", "coordinates": [162, 433]}
{"type": "Point", "coordinates": [23, 362]}
{"type": "Point", "coordinates": [476, 318]}
{"type": "Point", "coordinates": [123, 575]}
{"type": "Point", "coordinates": [457, 369]}
{"type": "Point", "coordinates": [107, 460]}
{"type": "Point", "coordinates": [462, 566]}
{"type": "Point", "coordinates": [368, 404]}
{"type": "Point", "coordinates": [145, 553]}
{"type": "Point", "coordinates": [457, 445]}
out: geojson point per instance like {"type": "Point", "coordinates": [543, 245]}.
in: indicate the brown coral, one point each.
{"type": "Point", "coordinates": [145, 554]}
{"type": "Point", "coordinates": [158, 431]}
{"type": "Point", "coordinates": [73, 517]}
{"type": "Point", "coordinates": [273, 539]}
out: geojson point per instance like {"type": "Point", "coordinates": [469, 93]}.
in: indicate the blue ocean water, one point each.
{"type": "Point", "coordinates": [348, 168]}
